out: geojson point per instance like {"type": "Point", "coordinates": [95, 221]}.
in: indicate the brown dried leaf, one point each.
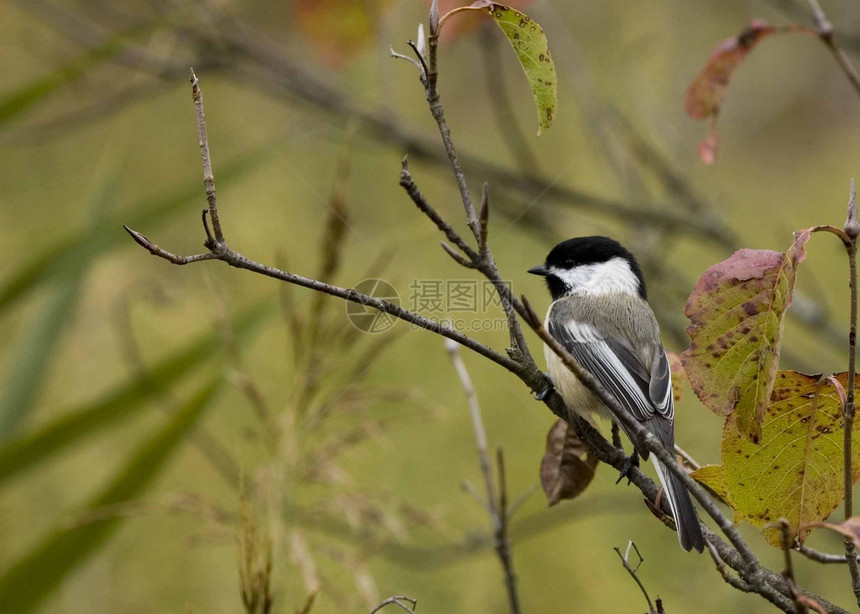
{"type": "Point", "coordinates": [736, 313]}
{"type": "Point", "coordinates": [567, 468]}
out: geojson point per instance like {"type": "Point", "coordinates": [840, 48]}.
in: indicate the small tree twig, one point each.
{"type": "Point", "coordinates": [821, 557]}
{"type": "Point", "coordinates": [398, 601]}
{"type": "Point", "coordinates": [825, 33]}
{"type": "Point", "coordinates": [208, 177]}
{"type": "Point", "coordinates": [496, 505]}
{"type": "Point", "coordinates": [788, 572]}
{"type": "Point", "coordinates": [632, 571]}
{"type": "Point", "coordinates": [851, 230]}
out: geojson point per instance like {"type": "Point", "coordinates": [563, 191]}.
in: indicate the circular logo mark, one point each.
{"type": "Point", "coordinates": [368, 319]}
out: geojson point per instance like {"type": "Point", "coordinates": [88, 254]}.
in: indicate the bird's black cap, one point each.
{"type": "Point", "coordinates": [581, 251]}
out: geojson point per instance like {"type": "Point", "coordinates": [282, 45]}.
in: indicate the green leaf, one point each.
{"type": "Point", "coordinates": [714, 478]}
{"type": "Point", "coordinates": [38, 573]}
{"type": "Point", "coordinates": [796, 472]}
{"type": "Point", "coordinates": [530, 45]}
{"type": "Point", "coordinates": [64, 255]}
{"type": "Point", "coordinates": [74, 425]}
{"type": "Point", "coordinates": [736, 312]}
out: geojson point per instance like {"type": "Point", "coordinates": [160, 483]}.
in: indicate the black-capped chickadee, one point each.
{"type": "Point", "coordinates": [601, 316]}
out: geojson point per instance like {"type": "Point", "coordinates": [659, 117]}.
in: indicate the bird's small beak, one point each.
{"type": "Point", "coordinates": [539, 270]}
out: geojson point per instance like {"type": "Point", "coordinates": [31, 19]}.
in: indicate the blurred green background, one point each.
{"type": "Point", "coordinates": [133, 392]}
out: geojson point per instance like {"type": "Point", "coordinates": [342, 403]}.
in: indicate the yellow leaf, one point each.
{"type": "Point", "coordinates": [796, 472]}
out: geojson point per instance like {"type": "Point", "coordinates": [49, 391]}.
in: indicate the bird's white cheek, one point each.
{"type": "Point", "coordinates": [610, 277]}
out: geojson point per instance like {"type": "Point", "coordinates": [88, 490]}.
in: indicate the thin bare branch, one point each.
{"type": "Point", "coordinates": [632, 571]}
{"type": "Point", "coordinates": [408, 184]}
{"type": "Point", "coordinates": [825, 33]}
{"type": "Point", "coordinates": [849, 410]}
{"type": "Point", "coordinates": [398, 601]}
{"type": "Point", "coordinates": [438, 112]}
{"type": "Point", "coordinates": [692, 462]}
{"type": "Point", "coordinates": [155, 250]}
{"type": "Point", "coordinates": [731, 580]}
{"type": "Point", "coordinates": [208, 177]}
{"type": "Point", "coordinates": [496, 506]}
{"type": "Point", "coordinates": [788, 572]}
{"type": "Point", "coordinates": [821, 557]}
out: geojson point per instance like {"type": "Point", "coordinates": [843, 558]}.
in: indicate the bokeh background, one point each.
{"type": "Point", "coordinates": [133, 393]}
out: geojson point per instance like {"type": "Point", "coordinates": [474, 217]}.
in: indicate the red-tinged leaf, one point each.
{"type": "Point", "coordinates": [850, 528]}
{"type": "Point", "coordinates": [706, 93]}
{"type": "Point", "coordinates": [708, 90]}
{"type": "Point", "coordinates": [567, 468]}
{"type": "Point", "coordinates": [708, 147]}
{"type": "Point", "coordinates": [736, 313]}
{"type": "Point", "coordinates": [338, 29]}
{"type": "Point", "coordinates": [679, 376]}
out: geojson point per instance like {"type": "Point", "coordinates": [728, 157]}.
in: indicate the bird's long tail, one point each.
{"type": "Point", "coordinates": [686, 520]}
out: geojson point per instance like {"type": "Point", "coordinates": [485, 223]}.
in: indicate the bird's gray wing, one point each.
{"type": "Point", "coordinates": [660, 388]}
{"type": "Point", "coordinates": [645, 392]}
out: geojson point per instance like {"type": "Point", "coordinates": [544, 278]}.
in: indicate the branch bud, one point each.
{"type": "Point", "coordinates": [421, 42]}
{"type": "Point", "coordinates": [434, 18]}
{"type": "Point", "coordinates": [852, 225]}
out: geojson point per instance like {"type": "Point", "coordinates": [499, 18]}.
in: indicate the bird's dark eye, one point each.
{"type": "Point", "coordinates": [568, 264]}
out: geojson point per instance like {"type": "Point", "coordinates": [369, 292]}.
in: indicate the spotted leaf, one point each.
{"type": "Point", "coordinates": [796, 471]}
{"type": "Point", "coordinates": [530, 45]}
{"type": "Point", "coordinates": [736, 312]}
{"type": "Point", "coordinates": [713, 477]}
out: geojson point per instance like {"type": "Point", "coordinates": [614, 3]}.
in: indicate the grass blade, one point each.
{"type": "Point", "coordinates": [31, 449]}
{"type": "Point", "coordinates": [33, 352]}
{"type": "Point", "coordinates": [32, 578]}
{"type": "Point", "coordinates": [35, 348]}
